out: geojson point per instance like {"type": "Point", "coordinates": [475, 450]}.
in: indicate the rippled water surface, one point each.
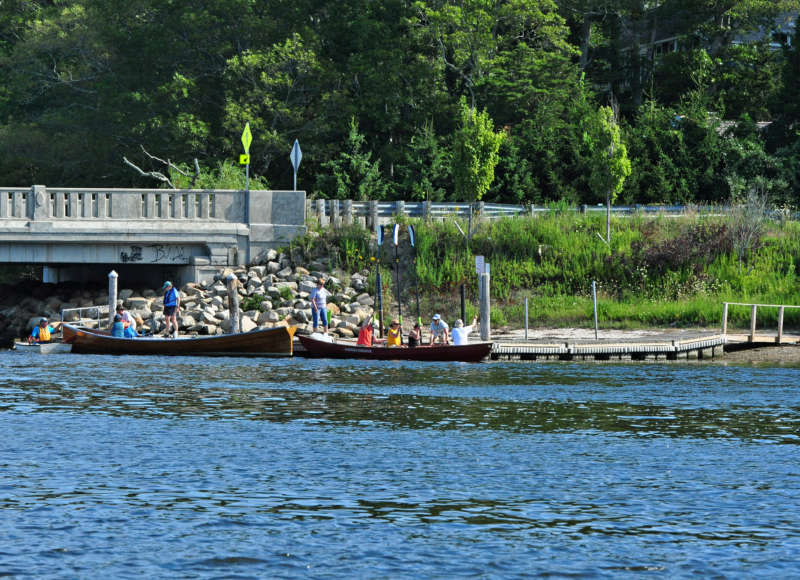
{"type": "Point", "coordinates": [123, 467]}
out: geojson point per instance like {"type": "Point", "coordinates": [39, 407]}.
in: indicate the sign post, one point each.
{"type": "Point", "coordinates": [296, 156]}
{"type": "Point", "coordinates": [247, 138]}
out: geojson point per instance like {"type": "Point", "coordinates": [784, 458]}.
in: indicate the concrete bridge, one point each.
{"type": "Point", "coordinates": [75, 233]}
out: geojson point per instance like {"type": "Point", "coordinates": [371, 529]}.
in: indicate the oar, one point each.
{"type": "Point", "coordinates": [416, 274]}
{"type": "Point", "coordinates": [395, 235]}
{"type": "Point", "coordinates": [379, 282]}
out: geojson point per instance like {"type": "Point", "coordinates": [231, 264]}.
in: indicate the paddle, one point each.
{"type": "Point", "coordinates": [416, 274]}
{"type": "Point", "coordinates": [395, 236]}
{"type": "Point", "coordinates": [378, 281]}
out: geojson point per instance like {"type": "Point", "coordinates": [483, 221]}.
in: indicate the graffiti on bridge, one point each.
{"type": "Point", "coordinates": [158, 253]}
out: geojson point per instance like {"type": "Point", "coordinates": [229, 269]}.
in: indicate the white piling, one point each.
{"type": "Point", "coordinates": [112, 297]}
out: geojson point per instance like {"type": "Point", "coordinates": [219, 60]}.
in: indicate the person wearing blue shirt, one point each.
{"type": "Point", "coordinates": [42, 332]}
{"type": "Point", "coordinates": [172, 303]}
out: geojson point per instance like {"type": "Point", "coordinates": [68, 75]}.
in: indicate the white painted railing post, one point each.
{"type": "Point", "coordinates": [486, 331]}
{"type": "Point", "coordinates": [780, 323]}
{"type": "Point", "coordinates": [753, 323]}
{"type": "Point", "coordinates": [724, 318]}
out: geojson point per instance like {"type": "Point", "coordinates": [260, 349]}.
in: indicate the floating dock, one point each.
{"type": "Point", "coordinates": [693, 348]}
{"type": "Point", "coordinates": [700, 347]}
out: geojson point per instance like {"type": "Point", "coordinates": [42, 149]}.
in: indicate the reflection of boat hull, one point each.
{"type": "Point", "coordinates": [466, 353]}
{"type": "Point", "coordinates": [45, 348]}
{"type": "Point", "coordinates": [266, 342]}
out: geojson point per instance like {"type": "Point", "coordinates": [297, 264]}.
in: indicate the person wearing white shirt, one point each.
{"type": "Point", "coordinates": [460, 331]}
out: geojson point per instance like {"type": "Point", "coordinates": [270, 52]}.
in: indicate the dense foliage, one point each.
{"type": "Point", "coordinates": [376, 92]}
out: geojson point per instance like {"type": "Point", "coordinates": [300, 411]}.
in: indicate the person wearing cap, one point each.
{"type": "Point", "coordinates": [415, 336]}
{"type": "Point", "coordinates": [440, 332]}
{"type": "Point", "coordinates": [172, 303]}
{"type": "Point", "coordinates": [319, 302]}
{"type": "Point", "coordinates": [460, 331]}
{"type": "Point", "coordinates": [394, 336]}
{"type": "Point", "coordinates": [42, 332]}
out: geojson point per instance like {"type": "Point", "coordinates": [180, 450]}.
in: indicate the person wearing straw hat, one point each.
{"type": "Point", "coordinates": [172, 303]}
{"type": "Point", "coordinates": [440, 332]}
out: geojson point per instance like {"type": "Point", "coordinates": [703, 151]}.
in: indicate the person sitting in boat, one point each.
{"type": "Point", "coordinates": [43, 332]}
{"type": "Point", "coordinates": [128, 322]}
{"type": "Point", "coordinates": [118, 328]}
{"type": "Point", "coordinates": [394, 336]}
{"type": "Point", "coordinates": [440, 332]}
{"type": "Point", "coordinates": [366, 336]}
{"type": "Point", "coordinates": [415, 336]}
{"type": "Point", "coordinates": [460, 331]}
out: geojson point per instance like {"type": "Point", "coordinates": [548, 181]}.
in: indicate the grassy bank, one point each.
{"type": "Point", "coordinates": [656, 271]}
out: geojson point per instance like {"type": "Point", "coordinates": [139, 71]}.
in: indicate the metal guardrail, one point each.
{"type": "Point", "coordinates": [347, 211]}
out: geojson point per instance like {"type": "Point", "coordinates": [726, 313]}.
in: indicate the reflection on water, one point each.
{"type": "Point", "coordinates": [122, 467]}
{"type": "Point", "coordinates": [464, 397]}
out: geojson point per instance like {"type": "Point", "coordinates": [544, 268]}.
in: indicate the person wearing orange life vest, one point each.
{"type": "Point", "coordinates": [366, 336]}
{"type": "Point", "coordinates": [42, 332]}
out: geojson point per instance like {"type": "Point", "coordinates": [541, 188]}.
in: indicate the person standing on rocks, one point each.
{"type": "Point", "coordinates": [172, 303]}
{"type": "Point", "coordinates": [319, 303]}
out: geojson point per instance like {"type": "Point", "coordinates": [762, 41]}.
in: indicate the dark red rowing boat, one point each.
{"type": "Point", "coordinates": [466, 353]}
{"type": "Point", "coordinates": [265, 342]}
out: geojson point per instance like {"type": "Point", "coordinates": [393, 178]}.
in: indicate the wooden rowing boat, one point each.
{"type": "Point", "coordinates": [275, 341]}
{"type": "Point", "coordinates": [466, 353]}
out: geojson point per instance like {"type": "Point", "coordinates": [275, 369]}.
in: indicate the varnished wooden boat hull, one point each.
{"type": "Point", "coordinates": [266, 342]}
{"type": "Point", "coordinates": [467, 353]}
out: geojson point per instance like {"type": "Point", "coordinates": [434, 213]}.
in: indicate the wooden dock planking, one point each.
{"type": "Point", "coordinates": [700, 348]}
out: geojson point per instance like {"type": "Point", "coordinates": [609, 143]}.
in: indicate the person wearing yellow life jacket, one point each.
{"type": "Point", "coordinates": [43, 332]}
{"type": "Point", "coordinates": [394, 336]}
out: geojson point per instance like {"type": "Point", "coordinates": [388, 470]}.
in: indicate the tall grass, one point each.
{"type": "Point", "coordinates": [656, 271]}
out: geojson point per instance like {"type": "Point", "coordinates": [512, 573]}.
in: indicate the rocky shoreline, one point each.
{"type": "Point", "coordinates": [271, 294]}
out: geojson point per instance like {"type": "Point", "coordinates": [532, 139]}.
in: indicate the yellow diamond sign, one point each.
{"type": "Point", "coordinates": [247, 138]}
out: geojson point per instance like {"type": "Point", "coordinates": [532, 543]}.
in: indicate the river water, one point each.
{"type": "Point", "coordinates": [124, 467]}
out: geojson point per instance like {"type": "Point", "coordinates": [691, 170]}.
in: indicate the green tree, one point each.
{"type": "Point", "coordinates": [610, 165]}
{"type": "Point", "coordinates": [427, 170]}
{"type": "Point", "coordinates": [475, 154]}
{"type": "Point", "coordinates": [354, 174]}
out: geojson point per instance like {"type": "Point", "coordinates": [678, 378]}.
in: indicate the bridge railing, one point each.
{"type": "Point", "coordinates": [42, 203]}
